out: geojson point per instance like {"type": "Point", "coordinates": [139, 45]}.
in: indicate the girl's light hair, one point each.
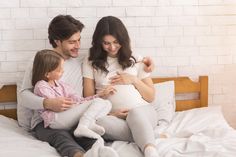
{"type": "Point", "coordinates": [45, 61]}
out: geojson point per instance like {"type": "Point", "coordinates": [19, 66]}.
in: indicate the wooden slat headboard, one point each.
{"type": "Point", "coordinates": [8, 94]}
{"type": "Point", "coordinates": [182, 85]}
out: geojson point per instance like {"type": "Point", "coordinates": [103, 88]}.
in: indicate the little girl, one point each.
{"type": "Point", "coordinates": [47, 70]}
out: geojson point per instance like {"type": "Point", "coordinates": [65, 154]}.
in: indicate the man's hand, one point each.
{"type": "Point", "coordinates": [149, 64]}
{"type": "Point", "coordinates": [58, 104]}
{"type": "Point", "coordinates": [121, 113]}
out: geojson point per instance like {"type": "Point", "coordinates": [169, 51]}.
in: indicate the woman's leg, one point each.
{"type": "Point", "coordinates": [69, 118]}
{"type": "Point", "coordinates": [142, 121]}
{"type": "Point", "coordinates": [115, 128]}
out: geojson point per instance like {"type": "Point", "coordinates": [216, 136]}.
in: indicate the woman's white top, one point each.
{"type": "Point", "coordinates": [127, 96]}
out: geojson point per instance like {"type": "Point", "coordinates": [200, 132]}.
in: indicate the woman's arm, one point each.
{"type": "Point", "coordinates": [145, 88]}
{"type": "Point", "coordinates": [88, 87]}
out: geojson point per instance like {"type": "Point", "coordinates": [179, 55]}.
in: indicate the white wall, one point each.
{"type": "Point", "coordinates": [184, 37]}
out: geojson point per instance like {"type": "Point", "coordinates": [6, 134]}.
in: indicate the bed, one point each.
{"type": "Point", "coordinates": [196, 130]}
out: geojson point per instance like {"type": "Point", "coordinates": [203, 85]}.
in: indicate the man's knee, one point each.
{"type": "Point", "coordinates": [52, 135]}
{"type": "Point", "coordinates": [60, 135]}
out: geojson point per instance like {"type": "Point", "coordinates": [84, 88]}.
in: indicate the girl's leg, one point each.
{"type": "Point", "coordinates": [87, 126]}
{"type": "Point", "coordinates": [69, 118]}
{"type": "Point", "coordinates": [142, 121]}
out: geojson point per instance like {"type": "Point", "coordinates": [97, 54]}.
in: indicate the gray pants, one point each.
{"type": "Point", "coordinates": [138, 126]}
{"type": "Point", "coordinates": [63, 140]}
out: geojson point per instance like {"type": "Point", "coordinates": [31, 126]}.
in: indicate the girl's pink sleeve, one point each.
{"type": "Point", "coordinates": [44, 90]}
{"type": "Point", "coordinates": [88, 98]}
{"type": "Point", "coordinates": [69, 92]}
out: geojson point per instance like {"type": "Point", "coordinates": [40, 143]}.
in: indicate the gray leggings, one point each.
{"type": "Point", "coordinates": [138, 126]}
{"type": "Point", "coordinates": [63, 140]}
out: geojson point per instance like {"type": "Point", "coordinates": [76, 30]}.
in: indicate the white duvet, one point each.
{"type": "Point", "coordinates": [194, 133]}
{"type": "Point", "coordinates": [16, 142]}
{"type": "Point", "coordinates": [199, 132]}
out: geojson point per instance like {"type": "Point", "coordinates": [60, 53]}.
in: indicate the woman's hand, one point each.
{"type": "Point", "coordinates": [121, 113]}
{"type": "Point", "coordinates": [149, 64]}
{"type": "Point", "coordinates": [105, 92]}
{"type": "Point", "coordinates": [123, 78]}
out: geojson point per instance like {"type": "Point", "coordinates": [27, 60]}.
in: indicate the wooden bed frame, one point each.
{"type": "Point", "coordinates": [182, 85]}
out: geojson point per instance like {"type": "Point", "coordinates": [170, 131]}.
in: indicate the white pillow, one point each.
{"type": "Point", "coordinates": [164, 104]}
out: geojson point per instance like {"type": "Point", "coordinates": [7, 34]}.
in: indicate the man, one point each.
{"type": "Point", "coordinates": [64, 36]}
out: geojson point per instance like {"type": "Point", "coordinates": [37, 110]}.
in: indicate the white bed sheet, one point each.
{"type": "Point", "coordinates": [199, 132]}
{"type": "Point", "coordinates": [195, 133]}
{"type": "Point", "coordinates": [16, 142]}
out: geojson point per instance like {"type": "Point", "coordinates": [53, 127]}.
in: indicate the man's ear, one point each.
{"type": "Point", "coordinates": [58, 42]}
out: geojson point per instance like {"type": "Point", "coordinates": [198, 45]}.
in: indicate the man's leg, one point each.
{"type": "Point", "coordinates": [85, 142]}
{"type": "Point", "coordinates": [66, 145]}
{"type": "Point", "coordinates": [61, 140]}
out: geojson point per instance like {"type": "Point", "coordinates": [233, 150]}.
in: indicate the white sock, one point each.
{"type": "Point", "coordinates": [150, 151]}
{"type": "Point", "coordinates": [84, 131]}
{"type": "Point", "coordinates": [97, 128]}
{"type": "Point", "coordinates": [89, 122]}
{"type": "Point", "coordinates": [99, 150]}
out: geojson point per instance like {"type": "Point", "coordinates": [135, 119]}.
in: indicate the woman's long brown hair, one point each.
{"type": "Point", "coordinates": [110, 25]}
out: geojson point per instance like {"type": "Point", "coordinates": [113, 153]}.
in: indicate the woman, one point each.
{"type": "Point", "coordinates": [111, 65]}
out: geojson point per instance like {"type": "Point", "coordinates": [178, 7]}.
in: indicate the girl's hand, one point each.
{"type": "Point", "coordinates": [123, 78]}
{"type": "Point", "coordinates": [105, 92]}
{"type": "Point", "coordinates": [121, 113]}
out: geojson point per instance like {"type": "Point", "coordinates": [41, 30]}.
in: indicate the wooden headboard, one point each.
{"type": "Point", "coordinates": [8, 94]}
{"type": "Point", "coordinates": [182, 85]}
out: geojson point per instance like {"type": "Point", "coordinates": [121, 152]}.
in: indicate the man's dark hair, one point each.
{"type": "Point", "coordinates": [62, 27]}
